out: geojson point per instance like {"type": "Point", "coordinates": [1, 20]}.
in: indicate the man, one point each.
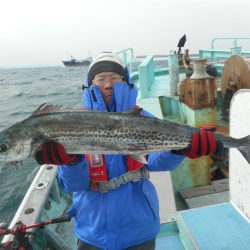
{"type": "Point", "coordinates": [115, 206]}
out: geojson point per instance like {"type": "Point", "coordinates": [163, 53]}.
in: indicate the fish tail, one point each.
{"type": "Point", "coordinates": [245, 148]}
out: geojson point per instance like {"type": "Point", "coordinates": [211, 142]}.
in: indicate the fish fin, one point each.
{"type": "Point", "coordinates": [47, 108]}
{"type": "Point", "coordinates": [136, 111]}
{"type": "Point", "coordinates": [245, 148]}
{"type": "Point", "coordinates": [50, 108]}
{"type": "Point", "coordinates": [139, 158]}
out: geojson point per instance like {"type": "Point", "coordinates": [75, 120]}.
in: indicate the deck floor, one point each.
{"type": "Point", "coordinates": [217, 227]}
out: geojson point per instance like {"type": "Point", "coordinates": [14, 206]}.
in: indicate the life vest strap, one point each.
{"type": "Point", "coordinates": [131, 176]}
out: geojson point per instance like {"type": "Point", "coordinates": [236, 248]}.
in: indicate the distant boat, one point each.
{"type": "Point", "coordinates": [74, 62]}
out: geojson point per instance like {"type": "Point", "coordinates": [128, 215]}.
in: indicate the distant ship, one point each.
{"type": "Point", "coordinates": [74, 62]}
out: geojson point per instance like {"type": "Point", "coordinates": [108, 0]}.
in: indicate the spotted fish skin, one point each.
{"type": "Point", "coordinates": [111, 133]}
{"type": "Point", "coordinates": [94, 132]}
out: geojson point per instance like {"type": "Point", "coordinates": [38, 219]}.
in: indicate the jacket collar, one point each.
{"type": "Point", "coordinates": [124, 98]}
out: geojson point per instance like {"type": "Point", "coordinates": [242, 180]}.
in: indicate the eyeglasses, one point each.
{"type": "Point", "coordinates": [102, 79]}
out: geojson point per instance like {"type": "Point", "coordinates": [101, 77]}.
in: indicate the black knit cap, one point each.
{"type": "Point", "coordinates": [106, 62]}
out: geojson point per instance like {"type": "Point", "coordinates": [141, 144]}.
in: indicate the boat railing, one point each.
{"type": "Point", "coordinates": [146, 75]}
{"type": "Point", "coordinates": [128, 58]}
{"type": "Point", "coordinates": [42, 200]}
{"type": "Point", "coordinates": [214, 54]}
{"type": "Point", "coordinates": [234, 41]}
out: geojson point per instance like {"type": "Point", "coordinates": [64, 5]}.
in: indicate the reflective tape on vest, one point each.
{"type": "Point", "coordinates": [132, 176]}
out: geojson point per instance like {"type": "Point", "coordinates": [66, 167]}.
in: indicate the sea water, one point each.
{"type": "Point", "coordinates": [21, 92]}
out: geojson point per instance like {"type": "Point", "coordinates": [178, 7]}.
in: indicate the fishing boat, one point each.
{"type": "Point", "coordinates": [202, 206]}
{"type": "Point", "coordinates": [74, 62]}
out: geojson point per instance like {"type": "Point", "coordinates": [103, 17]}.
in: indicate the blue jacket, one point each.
{"type": "Point", "coordinates": [128, 215]}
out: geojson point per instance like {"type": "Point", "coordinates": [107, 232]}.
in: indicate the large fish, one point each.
{"type": "Point", "coordinates": [96, 132]}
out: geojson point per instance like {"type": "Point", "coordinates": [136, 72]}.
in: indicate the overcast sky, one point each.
{"type": "Point", "coordinates": [45, 32]}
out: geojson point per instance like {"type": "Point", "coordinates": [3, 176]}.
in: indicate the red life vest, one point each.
{"type": "Point", "coordinates": [98, 169]}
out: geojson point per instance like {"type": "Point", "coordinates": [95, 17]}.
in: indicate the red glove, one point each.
{"type": "Point", "coordinates": [203, 143]}
{"type": "Point", "coordinates": [54, 153]}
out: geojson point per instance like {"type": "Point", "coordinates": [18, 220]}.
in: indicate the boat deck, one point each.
{"type": "Point", "coordinates": [217, 227]}
{"type": "Point", "coordinates": [213, 227]}
{"type": "Point", "coordinates": [168, 238]}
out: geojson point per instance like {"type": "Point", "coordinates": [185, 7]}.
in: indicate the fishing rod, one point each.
{"type": "Point", "coordinates": [21, 235]}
